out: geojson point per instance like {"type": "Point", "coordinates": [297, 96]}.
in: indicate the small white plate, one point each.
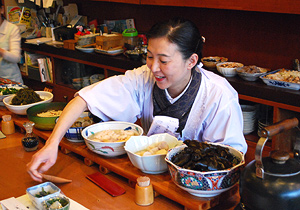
{"type": "Point", "coordinates": [85, 49]}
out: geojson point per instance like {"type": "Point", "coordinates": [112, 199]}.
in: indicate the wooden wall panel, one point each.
{"type": "Point", "coordinates": [265, 39]}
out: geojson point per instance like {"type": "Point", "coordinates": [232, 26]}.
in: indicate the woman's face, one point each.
{"type": "Point", "coordinates": [169, 68]}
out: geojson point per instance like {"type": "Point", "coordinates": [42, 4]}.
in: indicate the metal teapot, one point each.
{"type": "Point", "coordinates": [271, 182]}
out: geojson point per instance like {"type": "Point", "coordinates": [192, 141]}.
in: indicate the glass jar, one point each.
{"type": "Point", "coordinates": [30, 141]}
{"type": "Point", "coordinates": [7, 125]}
{"type": "Point", "coordinates": [130, 38]}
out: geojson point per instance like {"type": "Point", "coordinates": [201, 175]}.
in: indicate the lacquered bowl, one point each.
{"type": "Point", "coordinates": [110, 149]}
{"type": "Point", "coordinates": [205, 184]}
{"type": "Point", "coordinates": [44, 123]}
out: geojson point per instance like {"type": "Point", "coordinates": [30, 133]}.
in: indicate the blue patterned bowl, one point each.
{"type": "Point", "coordinates": [109, 149]}
{"type": "Point", "coordinates": [204, 184]}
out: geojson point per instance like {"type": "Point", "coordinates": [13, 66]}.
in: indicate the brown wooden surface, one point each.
{"type": "Point", "coordinates": [121, 166]}
{"type": "Point", "coordinates": [14, 179]}
{"type": "Point", "coordinates": [287, 6]}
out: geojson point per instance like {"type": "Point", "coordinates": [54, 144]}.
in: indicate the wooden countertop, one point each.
{"type": "Point", "coordinates": [13, 158]}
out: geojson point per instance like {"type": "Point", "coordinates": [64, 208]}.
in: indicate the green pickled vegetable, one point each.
{"type": "Point", "coordinates": [25, 96]}
{"type": "Point", "coordinates": [42, 193]}
{"type": "Point", "coordinates": [7, 91]}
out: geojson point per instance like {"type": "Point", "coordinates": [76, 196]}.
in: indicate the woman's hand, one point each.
{"type": "Point", "coordinates": [42, 161]}
{"type": "Point", "coordinates": [46, 157]}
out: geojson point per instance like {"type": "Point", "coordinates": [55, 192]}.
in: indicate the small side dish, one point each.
{"type": "Point", "coordinates": [57, 203]}
{"type": "Point", "coordinates": [251, 73]}
{"type": "Point", "coordinates": [283, 78]}
{"type": "Point", "coordinates": [228, 69]}
{"type": "Point", "coordinates": [211, 61]}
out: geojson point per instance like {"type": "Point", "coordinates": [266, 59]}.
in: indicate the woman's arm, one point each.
{"type": "Point", "coordinates": [46, 157]}
{"type": "Point", "coordinates": [13, 53]}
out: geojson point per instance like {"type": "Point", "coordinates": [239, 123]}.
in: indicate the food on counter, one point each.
{"type": "Point", "coordinates": [25, 96]}
{"type": "Point", "coordinates": [7, 91]}
{"type": "Point", "coordinates": [230, 65]}
{"type": "Point", "coordinates": [200, 156]}
{"type": "Point", "coordinates": [56, 203]}
{"type": "Point", "coordinates": [42, 193]}
{"type": "Point", "coordinates": [50, 113]}
{"type": "Point", "coordinates": [285, 75]}
{"type": "Point", "coordinates": [159, 148]}
{"type": "Point", "coordinates": [252, 69]}
{"type": "Point", "coordinates": [113, 135]}
{"type": "Point", "coordinates": [82, 122]}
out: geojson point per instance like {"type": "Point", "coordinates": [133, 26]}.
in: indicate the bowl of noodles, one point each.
{"type": "Point", "coordinates": [108, 138]}
{"type": "Point", "coordinates": [44, 115]}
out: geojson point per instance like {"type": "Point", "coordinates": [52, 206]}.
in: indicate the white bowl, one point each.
{"type": "Point", "coordinates": [46, 186]}
{"type": "Point", "coordinates": [21, 109]}
{"type": "Point", "coordinates": [153, 164]}
{"type": "Point", "coordinates": [228, 69]}
{"type": "Point", "coordinates": [205, 184]}
{"type": "Point", "coordinates": [110, 149]}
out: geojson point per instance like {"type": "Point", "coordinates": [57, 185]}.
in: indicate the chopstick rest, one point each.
{"type": "Point", "coordinates": [106, 184]}
{"type": "Point", "coordinates": [56, 179]}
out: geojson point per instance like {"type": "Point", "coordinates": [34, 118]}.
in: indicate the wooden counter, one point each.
{"type": "Point", "coordinates": [85, 192]}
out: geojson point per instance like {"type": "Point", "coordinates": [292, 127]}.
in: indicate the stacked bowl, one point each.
{"type": "Point", "coordinates": [249, 118]}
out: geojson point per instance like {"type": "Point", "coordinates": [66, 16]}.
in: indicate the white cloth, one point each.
{"type": "Point", "coordinates": [215, 116]}
{"type": "Point", "coordinates": [10, 41]}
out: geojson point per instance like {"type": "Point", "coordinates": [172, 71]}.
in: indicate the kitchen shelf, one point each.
{"type": "Point", "coordinates": [284, 102]}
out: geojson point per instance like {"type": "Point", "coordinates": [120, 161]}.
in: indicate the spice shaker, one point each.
{"type": "Point", "coordinates": [144, 195]}
{"type": "Point", "coordinates": [7, 125]}
{"type": "Point", "coordinates": [30, 141]}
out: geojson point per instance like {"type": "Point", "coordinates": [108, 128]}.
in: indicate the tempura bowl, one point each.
{"type": "Point", "coordinates": [153, 164]}
{"type": "Point", "coordinates": [110, 149]}
{"type": "Point", "coordinates": [205, 184]}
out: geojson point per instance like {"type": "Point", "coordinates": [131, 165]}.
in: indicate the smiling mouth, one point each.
{"type": "Point", "coordinates": [159, 78]}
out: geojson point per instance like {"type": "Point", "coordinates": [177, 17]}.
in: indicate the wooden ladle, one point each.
{"type": "Point", "coordinates": [56, 179]}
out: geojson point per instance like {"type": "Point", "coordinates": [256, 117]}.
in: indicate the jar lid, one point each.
{"type": "Point", "coordinates": [130, 32]}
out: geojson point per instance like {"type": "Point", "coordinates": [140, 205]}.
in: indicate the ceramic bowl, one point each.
{"type": "Point", "coordinates": [44, 123]}
{"type": "Point", "coordinates": [21, 109]}
{"type": "Point", "coordinates": [73, 134]}
{"type": "Point", "coordinates": [210, 62]}
{"type": "Point", "coordinates": [228, 69]}
{"type": "Point", "coordinates": [251, 73]}
{"type": "Point", "coordinates": [110, 149]}
{"type": "Point", "coordinates": [205, 184]}
{"type": "Point", "coordinates": [63, 201]}
{"type": "Point", "coordinates": [152, 164]}
{"type": "Point", "coordinates": [51, 189]}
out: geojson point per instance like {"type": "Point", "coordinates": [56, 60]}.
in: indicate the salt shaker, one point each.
{"type": "Point", "coordinates": [144, 195]}
{"type": "Point", "coordinates": [30, 141]}
{"type": "Point", "coordinates": [7, 125]}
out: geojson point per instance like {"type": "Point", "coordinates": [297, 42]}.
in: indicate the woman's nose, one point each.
{"type": "Point", "coordinates": [153, 65]}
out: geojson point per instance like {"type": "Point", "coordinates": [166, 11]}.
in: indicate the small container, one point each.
{"type": "Point", "coordinates": [130, 38]}
{"type": "Point", "coordinates": [7, 125]}
{"type": "Point", "coordinates": [144, 195]}
{"type": "Point", "coordinates": [30, 141]}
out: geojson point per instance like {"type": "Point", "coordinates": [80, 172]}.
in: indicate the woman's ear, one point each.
{"type": "Point", "coordinates": [192, 61]}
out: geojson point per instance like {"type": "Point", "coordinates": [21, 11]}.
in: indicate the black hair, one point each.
{"type": "Point", "coordinates": [181, 32]}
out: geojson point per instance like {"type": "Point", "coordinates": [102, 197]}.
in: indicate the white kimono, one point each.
{"type": "Point", "coordinates": [215, 116]}
{"type": "Point", "coordinates": [10, 41]}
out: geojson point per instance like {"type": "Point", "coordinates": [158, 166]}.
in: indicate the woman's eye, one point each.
{"type": "Point", "coordinates": [164, 62]}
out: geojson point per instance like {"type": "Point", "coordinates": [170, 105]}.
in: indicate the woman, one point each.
{"type": "Point", "coordinates": [10, 49]}
{"type": "Point", "coordinates": [171, 84]}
